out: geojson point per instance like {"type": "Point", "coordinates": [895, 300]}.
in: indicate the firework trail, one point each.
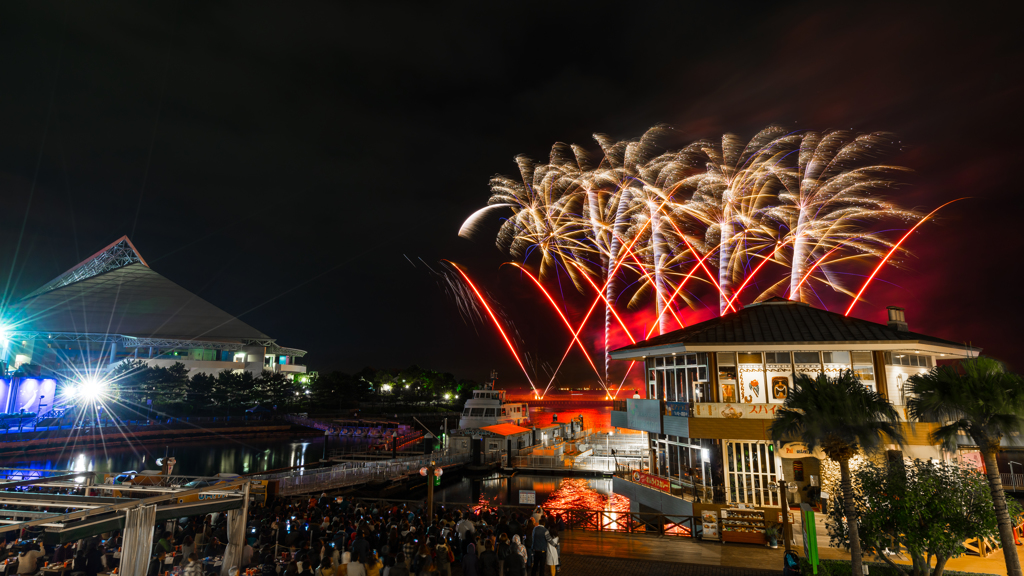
{"type": "Point", "coordinates": [828, 200]}
{"type": "Point", "coordinates": [642, 220]}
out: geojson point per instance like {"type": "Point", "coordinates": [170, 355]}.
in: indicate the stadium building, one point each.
{"type": "Point", "coordinates": [111, 307]}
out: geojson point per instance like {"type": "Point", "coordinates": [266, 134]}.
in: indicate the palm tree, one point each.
{"type": "Point", "coordinates": [841, 416]}
{"type": "Point", "coordinates": [979, 399]}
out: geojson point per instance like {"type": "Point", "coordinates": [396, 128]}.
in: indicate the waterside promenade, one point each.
{"type": "Point", "coordinates": [737, 558]}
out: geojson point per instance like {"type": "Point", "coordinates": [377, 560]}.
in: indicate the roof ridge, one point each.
{"type": "Point", "coordinates": [778, 322]}
{"type": "Point", "coordinates": [117, 254]}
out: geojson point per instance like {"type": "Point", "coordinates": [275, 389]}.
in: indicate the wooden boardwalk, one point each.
{"type": "Point", "coordinates": [688, 551]}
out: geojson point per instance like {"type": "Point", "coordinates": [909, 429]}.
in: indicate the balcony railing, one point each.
{"type": "Point", "coordinates": [684, 488]}
{"type": "Point", "coordinates": [1012, 481]}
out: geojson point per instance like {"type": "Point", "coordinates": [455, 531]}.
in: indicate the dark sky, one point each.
{"type": "Point", "coordinates": [280, 159]}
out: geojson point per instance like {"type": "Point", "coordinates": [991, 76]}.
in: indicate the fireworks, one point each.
{"type": "Point", "coordinates": [640, 223]}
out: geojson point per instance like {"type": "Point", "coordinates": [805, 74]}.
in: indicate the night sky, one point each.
{"type": "Point", "coordinates": [283, 160]}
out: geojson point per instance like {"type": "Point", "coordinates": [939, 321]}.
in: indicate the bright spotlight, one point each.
{"type": "Point", "coordinates": [91, 388]}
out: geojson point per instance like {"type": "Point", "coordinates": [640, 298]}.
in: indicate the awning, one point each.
{"type": "Point", "coordinates": [112, 522]}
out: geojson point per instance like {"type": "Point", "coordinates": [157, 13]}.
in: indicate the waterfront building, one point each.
{"type": "Point", "coordinates": [712, 390]}
{"type": "Point", "coordinates": [113, 307]}
{"type": "Point", "coordinates": [490, 443]}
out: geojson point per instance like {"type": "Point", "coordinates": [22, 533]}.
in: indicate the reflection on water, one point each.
{"type": "Point", "coordinates": [242, 456]}
{"type": "Point", "coordinates": [193, 458]}
{"type": "Point", "coordinates": [552, 491]}
{"type": "Point", "coordinates": [596, 418]}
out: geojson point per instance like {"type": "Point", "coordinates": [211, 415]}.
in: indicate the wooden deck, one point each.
{"type": "Point", "coordinates": [689, 551]}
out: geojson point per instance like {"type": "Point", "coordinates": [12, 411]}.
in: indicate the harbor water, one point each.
{"type": "Point", "coordinates": [242, 456]}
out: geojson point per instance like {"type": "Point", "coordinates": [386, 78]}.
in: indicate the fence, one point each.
{"type": "Point", "coordinates": [352, 473]}
{"type": "Point", "coordinates": [686, 489]}
{"type": "Point", "coordinates": [69, 419]}
{"type": "Point", "coordinates": [593, 520]}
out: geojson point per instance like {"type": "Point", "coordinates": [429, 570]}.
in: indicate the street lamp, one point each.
{"type": "Point", "coordinates": [432, 472]}
{"type": "Point", "coordinates": [1011, 471]}
{"type": "Point", "coordinates": [783, 487]}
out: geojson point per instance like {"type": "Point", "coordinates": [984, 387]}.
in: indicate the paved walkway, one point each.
{"type": "Point", "coordinates": [665, 553]}
{"type": "Point", "coordinates": [578, 565]}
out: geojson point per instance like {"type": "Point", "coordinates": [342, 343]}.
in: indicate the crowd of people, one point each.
{"type": "Point", "coordinates": [345, 537]}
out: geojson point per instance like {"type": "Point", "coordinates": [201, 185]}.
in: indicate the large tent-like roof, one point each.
{"type": "Point", "coordinates": [116, 292]}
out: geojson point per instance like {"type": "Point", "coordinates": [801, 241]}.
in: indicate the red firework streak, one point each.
{"type": "Point", "coordinates": [701, 262]}
{"type": "Point", "coordinates": [816, 264]}
{"type": "Point", "coordinates": [754, 273]}
{"type": "Point", "coordinates": [562, 316]}
{"type": "Point", "coordinates": [608, 304]}
{"type": "Point", "coordinates": [596, 300]}
{"type": "Point", "coordinates": [655, 324]}
{"type": "Point", "coordinates": [894, 248]}
{"type": "Point", "coordinates": [657, 293]}
{"type": "Point", "coordinates": [496, 323]}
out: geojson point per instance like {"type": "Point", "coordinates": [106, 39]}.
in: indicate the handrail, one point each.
{"type": "Point", "coordinates": [655, 523]}
{"type": "Point", "coordinates": [351, 473]}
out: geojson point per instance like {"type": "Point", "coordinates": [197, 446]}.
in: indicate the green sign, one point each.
{"type": "Point", "coordinates": [810, 533]}
{"type": "Point", "coordinates": [437, 480]}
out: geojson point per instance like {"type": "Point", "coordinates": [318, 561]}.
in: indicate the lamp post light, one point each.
{"type": "Point", "coordinates": [783, 487]}
{"type": "Point", "coordinates": [1012, 480]}
{"type": "Point", "coordinates": [433, 474]}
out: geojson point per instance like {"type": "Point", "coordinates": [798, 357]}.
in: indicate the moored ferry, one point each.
{"type": "Point", "coordinates": [488, 407]}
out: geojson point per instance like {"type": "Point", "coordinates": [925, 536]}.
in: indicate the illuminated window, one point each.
{"type": "Point", "coordinates": [904, 359]}
{"type": "Point", "coordinates": [839, 357]}
{"type": "Point", "coordinates": [750, 468]}
{"type": "Point", "coordinates": [863, 368]}
{"type": "Point", "coordinates": [806, 358]}
{"type": "Point", "coordinates": [726, 366]}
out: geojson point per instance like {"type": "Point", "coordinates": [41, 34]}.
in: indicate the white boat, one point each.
{"type": "Point", "coordinates": [488, 407]}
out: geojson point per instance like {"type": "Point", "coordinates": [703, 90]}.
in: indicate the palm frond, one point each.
{"type": "Point", "coordinates": [977, 398]}
{"type": "Point", "coordinates": [836, 413]}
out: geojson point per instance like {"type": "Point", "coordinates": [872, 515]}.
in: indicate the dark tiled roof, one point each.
{"type": "Point", "coordinates": [779, 321]}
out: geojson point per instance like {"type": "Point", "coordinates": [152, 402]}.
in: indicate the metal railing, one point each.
{"type": "Point", "coordinates": [352, 473]}
{"type": "Point", "coordinates": [656, 524]}
{"type": "Point", "coordinates": [628, 522]}
{"type": "Point", "coordinates": [1012, 480]}
{"type": "Point", "coordinates": [686, 489]}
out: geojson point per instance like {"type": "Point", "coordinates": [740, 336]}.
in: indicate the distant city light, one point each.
{"type": "Point", "coordinates": [386, 387]}
{"type": "Point", "coordinates": [447, 396]}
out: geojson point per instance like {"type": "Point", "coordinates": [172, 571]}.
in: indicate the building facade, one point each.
{"type": "Point", "coordinates": [712, 390]}
{"type": "Point", "coordinates": [113, 307]}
